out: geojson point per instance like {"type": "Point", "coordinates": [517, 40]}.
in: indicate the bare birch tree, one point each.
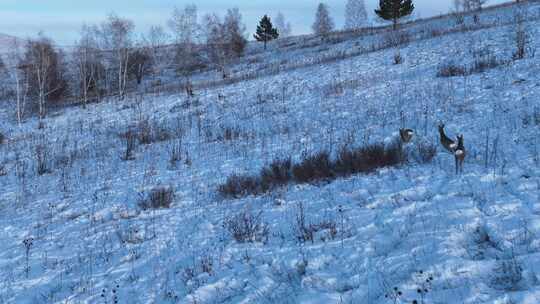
{"type": "Point", "coordinates": [87, 58]}
{"type": "Point", "coordinates": [284, 28]}
{"type": "Point", "coordinates": [117, 35]}
{"type": "Point", "coordinates": [13, 58]}
{"type": "Point", "coordinates": [186, 32]}
{"type": "Point", "coordinates": [156, 40]}
{"type": "Point", "coordinates": [43, 68]}
{"type": "Point", "coordinates": [355, 14]}
{"type": "Point", "coordinates": [323, 22]}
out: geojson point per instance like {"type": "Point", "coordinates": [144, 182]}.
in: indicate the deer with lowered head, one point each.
{"type": "Point", "coordinates": [406, 135]}
{"type": "Point", "coordinates": [401, 141]}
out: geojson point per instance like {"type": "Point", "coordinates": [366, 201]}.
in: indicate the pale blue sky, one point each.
{"type": "Point", "coordinates": [61, 19]}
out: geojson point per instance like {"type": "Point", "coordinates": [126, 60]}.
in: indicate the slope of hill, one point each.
{"type": "Point", "coordinates": [6, 42]}
{"type": "Point", "coordinates": [74, 229]}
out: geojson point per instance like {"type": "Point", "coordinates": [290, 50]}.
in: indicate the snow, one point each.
{"type": "Point", "coordinates": [91, 243]}
{"type": "Point", "coordinates": [7, 41]}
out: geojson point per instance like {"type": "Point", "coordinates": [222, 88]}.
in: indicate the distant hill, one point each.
{"type": "Point", "coordinates": [6, 41]}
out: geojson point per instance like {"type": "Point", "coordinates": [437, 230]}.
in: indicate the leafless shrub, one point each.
{"type": "Point", "coordinates": [521, 38]}
{"type": "Point", "coordinates": [426, 152]}
{"type": "Point", "coordinates": [507, 275]}
{"type": "Point", "coordinates": [278, 173]}
{"type": "Point", "coordinates": [229, 134]}
{"type": "Point", "coordinates": [130, 140]}
{"type": "Point", "coordinates": [145, 132]}
{"type": "Point", "coordinates": [240, 185]}
{"type": "Point", "coordinates": [424, 284]}
{"type": "Point", "coordinates": [157, 198]}
{"type": "Point", "coordinates": [394, 295]}
{"type": "Point", "coordinates": [484, 60]}
{"type": "Point", "coordinates": [333, 89]}
{"type": "Point", "coordinates": [396, 38]}
{"type": "Point", "coordinates": [206, 263]}
{"type": "Point", "coordinates": [175, 153]}
{"type": "Point", "coordinates": [529, 117]}
{"type": "Point", "coordinates": [129, 235]}
{"type": "Point", "coordinates": [110, 295]}
{"type": "Point", "coordinates": [479, 243]}
{"type": "Point", "coordinates": [42, 157]}
{"type": "Point", "coordinates": [247, 227]}
{"type": "Point", "coordinates": [21, 167]}
{"type": "Point", "coordinates": [451, 70]}
{"type": "Point", "coordinates": [459, 18]}
{"type": "Point", "coordinates": [349, 161]}
{"type": "Point", "coordinates": [160, 133]}
{"type": "Point", "coordinates": [3, 171]}
{"type": "Point", "coordinates": [313, 168]}
{"type": "Point", "coordinates": [306, 231]}
{"type": "Point", "coordinates": [337, 87]}
{"type": "Point", "coordinates": [28, 243]}
{"type": "Point", "coordinates": [367, 159]}
{"type": "Point", "coordinates": [150, 132]}
{"type": "Point", "coordinates": [398, 59]}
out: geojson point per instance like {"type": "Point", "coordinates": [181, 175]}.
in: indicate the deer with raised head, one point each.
{"type": "Point", "coordinates": [446, 142]}
{"type": "Point", "coordinates": [459, 154]}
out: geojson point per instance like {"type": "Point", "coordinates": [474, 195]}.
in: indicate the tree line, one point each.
{"type": "Point", "coordinates": [110, 59]}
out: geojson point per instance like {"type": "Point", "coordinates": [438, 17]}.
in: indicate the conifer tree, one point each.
{"type": "Point", "coordinates": [394, 10]}
{"type": "Point", "coordinates": [266, 31]}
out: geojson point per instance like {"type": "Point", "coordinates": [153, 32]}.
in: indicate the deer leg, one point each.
{"type": "Point", "coordinates": [457, 165]}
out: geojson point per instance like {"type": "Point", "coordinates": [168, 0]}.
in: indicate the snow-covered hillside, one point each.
{"type": "Point", "coordinates": [72, 229]}
{"type": "Point", "coordinates": [7, 41]}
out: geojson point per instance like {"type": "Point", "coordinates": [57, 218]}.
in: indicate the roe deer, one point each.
{"type": "Point", "coordinates": [446, 142]}
{"type": "Point", "coordinates": [406, 135]}
{"type": "Point", "coordinates": [460, 154]}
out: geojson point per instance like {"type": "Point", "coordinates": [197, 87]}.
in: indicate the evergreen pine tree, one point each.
{"type": "Point", "coordinates": [266, 31]}
{"type": "Point", "coordinates": [394, 10]}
